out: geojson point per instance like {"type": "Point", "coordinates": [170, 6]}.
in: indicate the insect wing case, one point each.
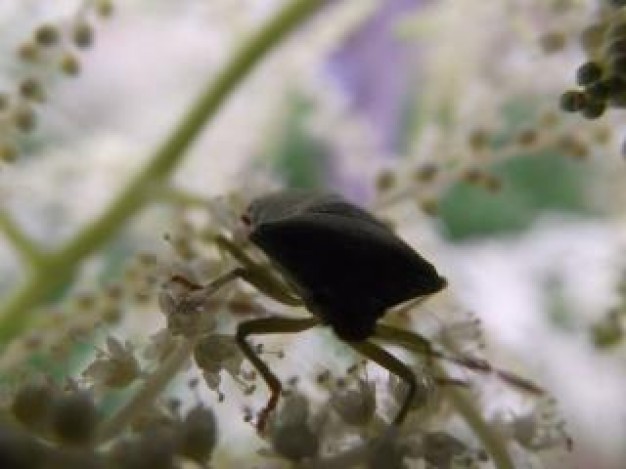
{"type": "Point", "coordinates": [349, 266]}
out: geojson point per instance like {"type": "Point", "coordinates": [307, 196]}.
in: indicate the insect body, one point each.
{"type": "Point", "coordinates": [347, 266]}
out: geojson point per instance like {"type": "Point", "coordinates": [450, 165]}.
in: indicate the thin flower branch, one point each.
{"type": "Point", "coordinates": [493, 443]}
{"type": "Point", "coordinates": [151, 388]}
{"type": "Point", "coordinates": [31, 254]}
{"type": "Point", "coordinates": [175, 195]}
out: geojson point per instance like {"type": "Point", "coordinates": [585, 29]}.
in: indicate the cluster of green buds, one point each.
{"type": "Point", "coordinates": [50, 427]}
{"type": "Point", "coordinates": [601, 79]}
{"type": "Point", "coordinates": [50, 48]}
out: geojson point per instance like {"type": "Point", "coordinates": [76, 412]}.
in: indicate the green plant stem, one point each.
{"type": "Point", "coordinates": [150, 389]}
{"type": "Point", "coordinates": [60, 267]}
{"type": "Point", "coordinates": [491, 440]}
{"type": "Point", "coordinates": [30, 253]}
{"type": "Point", "coordinates": [181, 197]}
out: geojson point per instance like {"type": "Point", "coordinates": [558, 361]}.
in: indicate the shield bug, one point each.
{"type": "Point", "coordinates": [347, 268]}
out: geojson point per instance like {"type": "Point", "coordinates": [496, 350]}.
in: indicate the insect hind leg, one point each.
{"type": "Point", "coordinates": [269, 325]}
{"type": "Point", "coordinates": [386, 360]}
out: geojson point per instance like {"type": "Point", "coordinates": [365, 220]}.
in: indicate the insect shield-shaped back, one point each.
{"type": "Point", "coordinates": [348, 266]}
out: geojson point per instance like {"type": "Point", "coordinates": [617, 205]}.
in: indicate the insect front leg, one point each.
{"type": "Point", "coordinates": [383, 358]}
{"type": "Point", "coordinates": [259, 276]}
{"type": "Point", "coordinates": [270, 325]}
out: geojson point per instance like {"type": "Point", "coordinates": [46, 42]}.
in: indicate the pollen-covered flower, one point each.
{"type": "Point", "coordinates": [355, 406]}
{"type": "Point", "coordinates": [291, 433]}
{"type": "Point", "coordinates": [186, 307]}
{"type": "Point", "coordinates": [117, 367]}
{"type": "Point", "coordinates": [214, 353]}
{"type": "Point", "coordinates": [536, 429]}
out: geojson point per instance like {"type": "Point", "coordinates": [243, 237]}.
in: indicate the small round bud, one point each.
{"type": "Point", "coordinates": [588, 73]}
{"type": "Point", "coordinates": [618, 65]}
{"type": "Point", "coordinates": [104, 8]}
{"type": "Point", "coordinates": [28, 52]}
{"type": "Point", "coordinates": [295, 442]}
{"type": "Point", "coordinates": [355, 407]}
{"type": "Point", "coordinates": [8, 152]}
{"type": "Point", "coordinates": [615, 85]}
{"type": "Point", "coordinates": [527, 137]}
{"type": "Point", "coordinates": [216, 351]}
{"type": "Point", "coordinates": [478, 139]}
{"type": "Point", "coordinates": [549, 119]}
{"type": "Point", "coordinates": [473, 175]}
{"type": "Point", "coordinates": [426, 172]}
{"type": "Point", "coordinates": [441, 449]}
{"type": "Point", "coordinates": [32, 405]}
{"type": "Point", "coordinates": [111, 314]}
{"type": "Point", "coordinates": [147, 259]}
{"type": "Point", "coordinates": [75, 418]}
{"type": "Point", "coordinates": [82, 35]}
{"type": "Point", "coordinates": [32, 89]}
{"type": "Point", "coordinates": [618, 100]}
{"type": "Point", "coordinates": [594, 109]}
{"type": "Point", "coordinates": [291, 435]}
{"type": "Point", "coordinates": [47, 35]}
{"type": "Point", "coordinates": [429, 206]}
{"type": "Point", "coordinates": [616, 47]}
{"type": "Point", "coordinates": [553, 41]}
{"type": "Point", "coordinates": [609, 331]}
{"type": "Point", "coordinates": [598, 91]}
{"type": "Point", "coordinates": [572, 101]}
{"type": "Point", "coordinates": [603, 135]}
{"type": "Point", "coordinates": [25, 118]}
{"type": "Point", "coordinates": [573, 147]}
{"type": "Point", "coordinates": [592, 37]}
{"type": "Point", "coordinates": [198, 435]}
{"type": "Point", "coordinates": [616, 30]}
{"type": "Point", "coordinates": [385, 180]}
{"type": "Point", "coordinates": [386, 452]}
{"type": "Point", "coordinates": [70, 65]}
{"type": "Point", "coordinates": [492, 183]}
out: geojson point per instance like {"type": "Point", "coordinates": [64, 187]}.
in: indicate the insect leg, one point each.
{"type": "Point", "coordinates": [411, 340]}
{"type": "Point", "coordinates": [266, 284]}
{"type": "Point", "coordinates": [418, 344]}
{"type": "Point", "coordinates": [258, 276]}
{"type": "Point", "coordinates": [383, 358]}
{"type": "Point", "coordinates": [269, 325]}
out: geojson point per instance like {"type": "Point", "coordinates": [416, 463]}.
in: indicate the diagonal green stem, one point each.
{"type": "Point", "coordinates": [61, 266]}
{"type": "Point", "coordinates": [494, 443]}
{"type": "Point", "coordinates": [153, 386]}
{"type": "Point", "coordinates": [30, 252]}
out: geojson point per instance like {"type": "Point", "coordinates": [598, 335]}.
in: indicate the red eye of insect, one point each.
{"type": "Point", "coordinates": [245, 218]}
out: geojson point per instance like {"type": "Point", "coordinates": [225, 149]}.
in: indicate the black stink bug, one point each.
{"type": "Point", "coordinates": [347, 268]}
